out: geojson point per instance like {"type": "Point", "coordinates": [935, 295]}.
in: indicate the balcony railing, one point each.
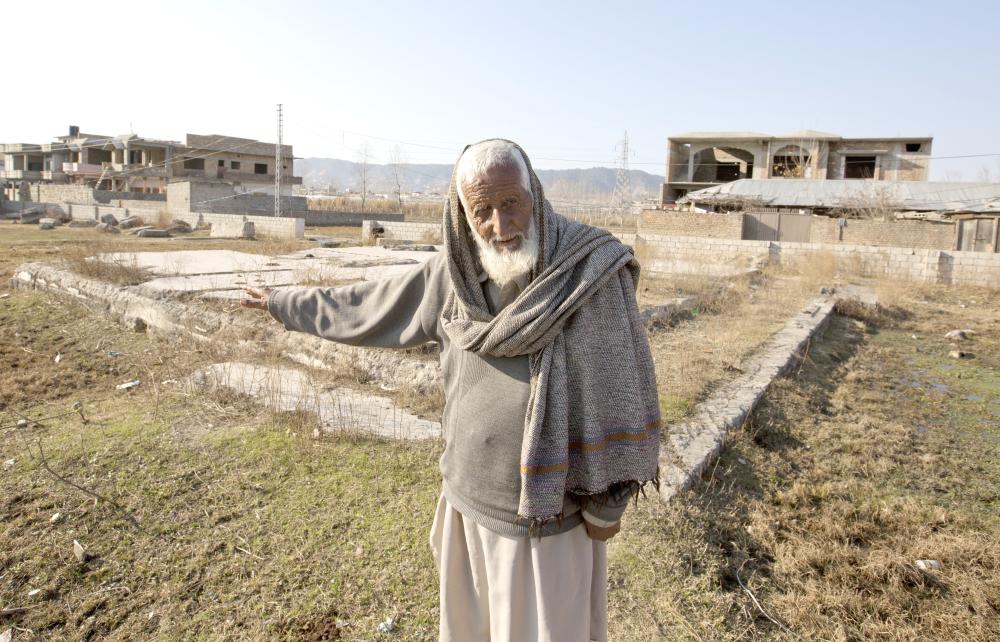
{"type": "Point", "coordinates": [20, 174]}
{"type": "Point", "coordinates": [84, 169]}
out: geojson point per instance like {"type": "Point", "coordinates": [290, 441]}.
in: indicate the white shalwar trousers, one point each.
{"type": "Point", "coordinates": [518, 589]}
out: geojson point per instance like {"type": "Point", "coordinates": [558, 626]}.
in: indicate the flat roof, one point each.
{"type": "Point", "coordinates": [936, 196]}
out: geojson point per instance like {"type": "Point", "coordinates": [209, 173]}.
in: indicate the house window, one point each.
{"type": "Point", "coordinates": [913, 147]}
{"type": "Point", "coordinates": [859, 167]}
{"type": "Point", "coordinates": [194, 163]}
{"type": "Point", "coordinates": [234, 164]}
{"type": "Point", "coordinates": [222, 163]}
{"type": "Point", "coordinates": [260, 168]}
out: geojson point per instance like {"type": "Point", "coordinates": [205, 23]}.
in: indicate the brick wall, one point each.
{"type": "Point", "coordinates": [221, 198]}
{"type": "Point", "coordinates": [693, 255]}
{"type": "Point", "coordinates": [710, 225]}
{"type": "Point", "coordinates": [110, 198]}
{"type": "Point", "coordinates": [698, 255]}
{"type": "Point", "coordinates": [46, 193]}
{"type": "Point", "coordinates": [930, 235]}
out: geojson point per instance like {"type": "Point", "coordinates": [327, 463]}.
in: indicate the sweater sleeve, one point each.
{"type": "Point", "coordinates": [608, 513]}
{"type": "Point", "coordinates": [396, 312]}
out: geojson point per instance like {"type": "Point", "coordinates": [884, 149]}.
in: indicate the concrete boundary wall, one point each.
{"type": "Point", "coordinates": [400, 231]}
{"type": "Point", "coordinates": [931, 235]}
{"type": "Point", "coordinates": [695, 255]}
{"type": "Point", "coordinates": [270, 226]}
{"type": "Point", "coordinates": [318, 218]}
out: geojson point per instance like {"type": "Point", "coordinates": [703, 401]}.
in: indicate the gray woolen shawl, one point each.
{"type": "Point", "coordinates": [593, 417]}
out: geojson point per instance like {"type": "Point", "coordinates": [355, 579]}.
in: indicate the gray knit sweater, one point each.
{"type": "Point", "coordinates": [486, 397]}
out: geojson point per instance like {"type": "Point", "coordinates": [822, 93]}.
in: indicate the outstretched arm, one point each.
{"type": "Point", "coordinates": [396, 312]}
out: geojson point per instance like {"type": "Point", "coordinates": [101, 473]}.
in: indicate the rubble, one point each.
{"type": "Point", "coordinates": [153, 233]}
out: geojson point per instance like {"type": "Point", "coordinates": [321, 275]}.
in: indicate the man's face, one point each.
{"type": "Point", "coordinates": [499, 208]}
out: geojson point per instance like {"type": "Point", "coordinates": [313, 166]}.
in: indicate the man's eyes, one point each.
{"type": "Point", "coordinates": [483, 211]}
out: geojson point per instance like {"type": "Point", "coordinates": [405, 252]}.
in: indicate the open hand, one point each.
{"type": "Point", "coordinates": [257, 298]}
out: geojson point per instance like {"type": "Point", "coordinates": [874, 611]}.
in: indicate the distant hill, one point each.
{"type": "Point", "coordinates": [595, 184]}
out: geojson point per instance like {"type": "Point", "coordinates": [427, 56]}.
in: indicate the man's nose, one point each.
{"type": "Point", "coordinates": [502, 224]}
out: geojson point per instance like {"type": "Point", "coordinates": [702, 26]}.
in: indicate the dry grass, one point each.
{"type": "Point", "coordinates": [728, 322]}
{"type": "Point", "coordinates": [881, 450]}
{"type": "Point", "coordinates": [122, 270]}
{"type": "Point", "coordinates": [421, 210]}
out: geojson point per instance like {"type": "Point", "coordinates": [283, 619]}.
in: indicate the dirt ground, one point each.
{"type": "Point", "coordinates": [207, 518]}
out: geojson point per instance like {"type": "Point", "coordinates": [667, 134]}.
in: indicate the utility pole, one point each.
{"type": "Point", "coordinates": [277, 168]}
{"type": "Point", "coordinates": [621, 199]}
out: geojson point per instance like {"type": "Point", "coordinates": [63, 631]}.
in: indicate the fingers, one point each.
{"type": "Point", "coordinates": [257, 300]}
{"type": "Point", "coordinates": [254, 304]}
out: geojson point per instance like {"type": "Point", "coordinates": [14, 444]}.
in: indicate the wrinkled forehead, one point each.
{"type": "Point", "coordinates": [500, 181]}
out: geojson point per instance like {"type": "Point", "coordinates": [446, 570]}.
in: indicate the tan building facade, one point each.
{"type": "Point", "coordinates": [705, 159]}
{"type": "Point", "coordinates": [131, 163]}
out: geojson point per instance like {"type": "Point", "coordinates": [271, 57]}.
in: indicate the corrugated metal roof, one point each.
{"type": "Point", "coordinates": [923, 196]}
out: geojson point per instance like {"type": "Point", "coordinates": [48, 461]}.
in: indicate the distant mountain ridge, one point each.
{"type": "Point", "coordinates": [592, 184]}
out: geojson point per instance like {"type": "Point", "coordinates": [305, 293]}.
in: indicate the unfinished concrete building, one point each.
{"type": "Point", "coordinates": [704, 159]}
{"type": "Point", "coordinates": [131, 163]}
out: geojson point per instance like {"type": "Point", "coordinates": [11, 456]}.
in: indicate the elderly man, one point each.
{"type": "Point", "coordinates": [551, 417]}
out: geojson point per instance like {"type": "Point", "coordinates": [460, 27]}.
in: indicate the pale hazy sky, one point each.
{"type": "Point", "coordinates": [563, 79]}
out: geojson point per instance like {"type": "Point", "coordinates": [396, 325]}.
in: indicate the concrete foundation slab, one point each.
{"type": "Point", "coordinates": [340, 410]}
{"type": "Point", "coordinates": [211, 271]}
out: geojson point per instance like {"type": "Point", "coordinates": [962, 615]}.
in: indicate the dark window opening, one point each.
{"type": "Point", "coordinates": [859, 167]}
{"type": "Point", "coordinates": [222, 163]}
{"type": "Point", "coordinates": [194, 163]}
{"type": "Point", "coordinates": [725, 172]}
{"type": "Point", "coordinates": [913, 147]}
{"type": "Point", "coordinates": [98, 156]}
{"type": "Point", "coordinates": [260, 168]}
{"type": "Point", "coordinates": [34, 166]}
{"type": "Point", "coordinates": [234, 164]}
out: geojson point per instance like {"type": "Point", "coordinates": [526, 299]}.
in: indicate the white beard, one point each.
{"type": "Point", "coordinates": [502, 266]}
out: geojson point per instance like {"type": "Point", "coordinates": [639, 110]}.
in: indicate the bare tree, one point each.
{"type": "Point", "coordinates": [364, 154]}
{"type": "Point", "coordinates": [880, 203]}
{"type": "Point", "coordinates": [397, 158]}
